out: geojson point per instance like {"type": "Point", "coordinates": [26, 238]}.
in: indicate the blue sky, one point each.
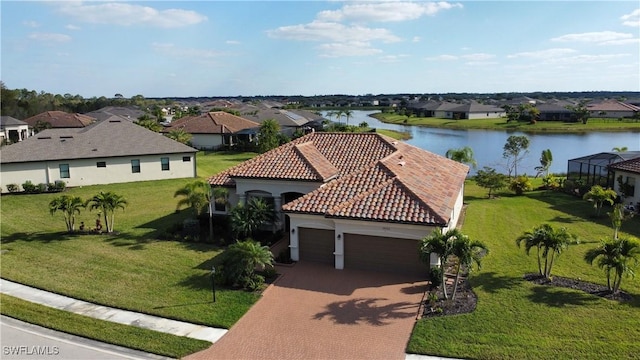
{"type": "Point", "coordinates": [224, 48]}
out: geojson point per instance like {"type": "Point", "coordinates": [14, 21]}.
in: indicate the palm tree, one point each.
{"type": "Point", "coordinates": [180, 135]}
{"type": "Point", "coordinates": [615, 255]}
{"type": "Point", "coordinates": [195, 195]}
{"type": "Point", "coordinates": [70, 206]}
{"type": "Point", "coordinates": [620, 149]}
{"type": "Point", "coordinates": [533, 239]}
{"type": "Point", "coordinates": [241, 261]}
{"type": "Point", "coordinates": [338, 114]}
{"type": "Point", "coordinates": [462, 155]}
{"type": "Point", "coordinates": [599, 196]}
{"type": "Point", "coordinates": [468, 252]}
{"type": "Point", "coordinates": [549, 243]}
{"type": "Point", "coordinates": [348, 114]}
{"type": "Point", "coordinates": [247, 218]}
{"type": "Point", "coordinates": [108, 203]}
{"type": "Point", "coordinates": [617, 216]}
{"type": "Point", "coordinates": [546, 158]}
{"type": "Point", "coordinates": [555, 242]}
{"type": "Point", "coordinates": [441, 244]}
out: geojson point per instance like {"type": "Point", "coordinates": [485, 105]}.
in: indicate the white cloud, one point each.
{"type": "Point", "coordinates": [50, 37]}
{"type": "Point", "coordinates": [31, 24]}
{"type": "Point", "coordinates": [477, 57]}
{"type": "Point", "coordinates": [393, 58]}
{"type": "Point", "coordinates": [385, 12]}
{"type": "Point", "coordinates": [72, 27]}
{"type": "Point", "coordinates": [622, 42]}
{"type": "Point", "coordinates": [232, 42]}
{"type": "Point", "coordinates": [354, 48]}
{"type": "Point", "coordinates": [123, 14]}
{"type": "Point", "coordinates": [631, 19]}
{"type": "Point", "coordinates": [549, 53]}
{"type": "Point", "coordinates": [416, 39]}
{"type": "Point", "coordinates": [585, 59]}
{"type": "Point", "coordinates": [596, 37]}
{"type": "Point", "coordinates": [443, 57]}
{"type": "Point", "coordinates": [201, 55]}
{"type": "Point", "coordinates": [331, 31]}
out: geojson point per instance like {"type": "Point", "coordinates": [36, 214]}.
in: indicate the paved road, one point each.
{"type": "Point", "coordinates": [23, 341]}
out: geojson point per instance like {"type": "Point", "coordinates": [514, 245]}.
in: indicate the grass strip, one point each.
{"type": "Point", "coordinates": [117, 334]}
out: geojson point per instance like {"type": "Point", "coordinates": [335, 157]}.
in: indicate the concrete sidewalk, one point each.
{"type": "Point", "coordinates": [125, 317]}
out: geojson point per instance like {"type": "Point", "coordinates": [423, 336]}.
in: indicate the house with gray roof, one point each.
{"type": "Point", "coordinates": [13, 130]}
{"type": "Point", "coordinates": [110, 151]}
{"type": "Point", "coordinates": [128, 113]}
{"type": "Point", "coordinates": [290, 120]}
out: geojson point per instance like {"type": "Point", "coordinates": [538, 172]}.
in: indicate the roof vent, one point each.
{"type": "Point", "coordinates": [44, 137]}
{"type": "Point", "coordinates": [114, 121]}
{"type": "Point", "coordinates": [66, 137]}
{"type": "Point", "coordinates": [402, 163]}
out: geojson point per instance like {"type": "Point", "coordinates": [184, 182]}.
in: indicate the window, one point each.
{"type": "Point", "coordinates": [64, 171]}
{"type": "Point", "coordinates": [631, 186]}
{"type": "Point", "coordinates": [165, 163]}
{"type": "Point", "coordinates": [101, 164]}
{"type": "Point", "coordinates": [186, 158]}
{"type": "Point", "coordinates": [135, 166]}
{"type": "Point", "coordinates": [219, 207]}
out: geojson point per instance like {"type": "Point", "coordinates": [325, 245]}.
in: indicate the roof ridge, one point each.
{"type": "Point", "coordinates": [331, 170]}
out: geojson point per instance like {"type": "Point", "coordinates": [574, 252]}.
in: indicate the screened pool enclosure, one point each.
{"type": "Point", "coordinates": [593, 169]}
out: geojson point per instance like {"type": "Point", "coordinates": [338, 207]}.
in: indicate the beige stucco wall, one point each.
{"type": "Point", "coordinates": [635, 199]}
{"type": "Point", "coordinates": [85, 171]}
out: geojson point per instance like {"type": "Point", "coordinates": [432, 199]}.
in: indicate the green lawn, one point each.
{"type": "Point", "coordinates": [595, 124]}
{"type": "Point", "coordinates": [515, 319]}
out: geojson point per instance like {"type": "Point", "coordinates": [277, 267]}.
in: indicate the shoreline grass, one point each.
{"type": "Point", "coordinates": [593, 125]}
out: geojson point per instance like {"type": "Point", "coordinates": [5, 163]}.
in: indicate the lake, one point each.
{"type": "Point", "coordinates": [487, 144]}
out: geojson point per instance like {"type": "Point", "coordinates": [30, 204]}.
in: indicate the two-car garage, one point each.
{"type": "Point", "coordinates": [363, 252]}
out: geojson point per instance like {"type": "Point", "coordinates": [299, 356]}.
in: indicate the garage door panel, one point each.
{"type": "Point", "coordinates": [316, 245]}
{"type": "Point", "coordinates": [383, 254]}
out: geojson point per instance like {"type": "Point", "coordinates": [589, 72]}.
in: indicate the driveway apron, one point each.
{"type": "Point", "coordinates": [316, 312]}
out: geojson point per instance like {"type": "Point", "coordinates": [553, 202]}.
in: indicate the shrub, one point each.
{"type": "Point", "coordinates": [58, 186]}
{"type": "Point", "coordinates": [520, 184]}
{"type": "Point", "coordinates": [435, 276]}
{"type": "Point", "coordinates": [42, 187]}
{"type": "Point", "coordinates": [29, 187]}
{"type": "Point", "coordinates": [13, 188]}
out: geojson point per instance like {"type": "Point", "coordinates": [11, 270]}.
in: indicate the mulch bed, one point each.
{"type": "Point", "coordinates": [587, 287]}
{"type": "Point", "coordinates": [466, 300]}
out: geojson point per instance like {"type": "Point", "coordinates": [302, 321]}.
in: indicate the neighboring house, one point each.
{"type": "Point", "coordinates": [290, 120]}
{"type": "Point", "coordinates": [353, 200]}
{"type": "Point", "coordinates": [475, 110]}
{"type": "Point", "coordinates": [128, 113]}
{"type": "Point", "coordinates": [14, 130]}
{"type": "Point", "coordinates": [103, 153]}
{"type": "Point", "coordinates": [555, 111]}
{"type": "Point", "coordinates": [59, 119]}
{"type": "Point", "coordinates": [629, 173]}
{"type": "Point", "coordinates": [216, 129]}
{"type": "Point", "coordinates": [612, 109]}
{"type": "Point", "coordinates": [594, 169]}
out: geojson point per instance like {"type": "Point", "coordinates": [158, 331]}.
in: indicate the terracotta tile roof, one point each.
{"type": "Point", "coordinates": [632, 166]}
{"type": "Point", "coordinates": [612, 105]}
{"type": "Point", "coordinates": [61, 119]}
{"type": "Point", "coordinates": [289, 162]}
{"type": "Point", "coordinates": [217, 122]}
{"type": "Point", "coordinates": [379, 179]}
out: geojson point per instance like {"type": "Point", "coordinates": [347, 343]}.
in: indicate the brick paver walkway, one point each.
{"type": "Point", "coordinates": [316, 312]}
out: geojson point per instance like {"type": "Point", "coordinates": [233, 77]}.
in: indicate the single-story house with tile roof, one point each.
{"type": "Point", "coordinates": [353, 200]}
{"type": "Point", "coordinates": [110, 151]}
{"type": "Point", "coordinates": [290, 120]}
{"type": "Point", "coordinates": [612, 109]}
{"type": "Point", "coordinates": [60, 119]}
{"type": "Point", "coordinates": [129, 113]}
{"type": "Point", "coordinates": [216, 129]}
{"type": "Point", "coordinates": [629, 172]}
{"type": "Point", "coordinates": [14, 130]}
{"type": "Point", "coordinates": [474, 110]}
{"type": "Point", "coordinates": [555, 111]}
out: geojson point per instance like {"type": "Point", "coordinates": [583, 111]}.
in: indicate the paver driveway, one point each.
{"type": "Point", "coordinates": [316, 312]}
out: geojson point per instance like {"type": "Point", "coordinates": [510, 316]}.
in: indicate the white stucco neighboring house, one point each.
{"type": "Point", "coordinates": [353, 200]}
{"type": "Point", "coordinates": [629, 173]}
{"type": "Point", "coordinates": [110, 151]}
